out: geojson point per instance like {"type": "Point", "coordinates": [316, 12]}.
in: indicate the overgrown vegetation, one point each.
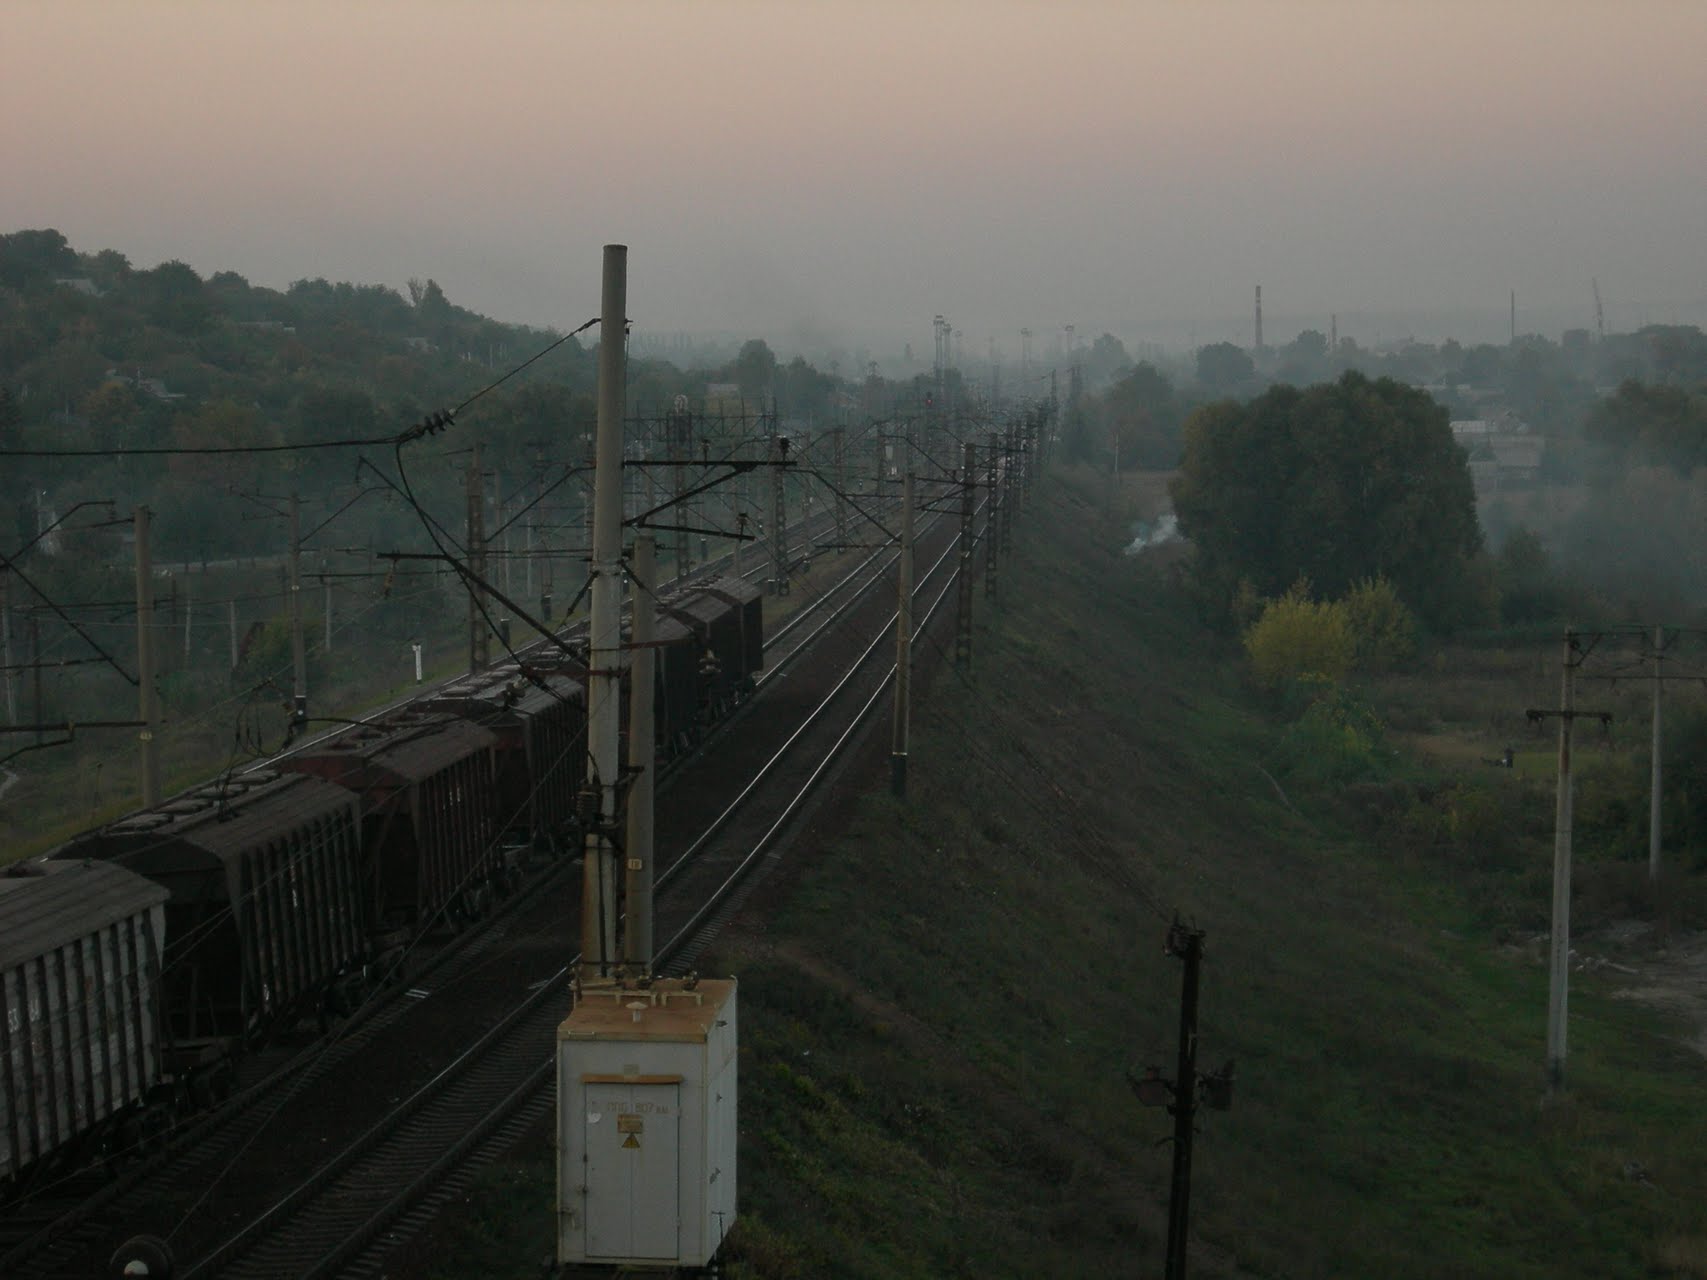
{"type": "Point", "coordinates": [939, 1008]}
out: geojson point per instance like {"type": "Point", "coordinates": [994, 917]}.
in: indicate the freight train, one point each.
{"type": "Point", "coordinates": [138, 961]}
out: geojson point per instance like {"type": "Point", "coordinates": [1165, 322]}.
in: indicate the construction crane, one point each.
{"type": "Point", "coordinates": [1599, 315]}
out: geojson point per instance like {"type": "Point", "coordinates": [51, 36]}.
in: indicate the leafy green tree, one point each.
{"type": "Point", "coordinates": [1223, 367]}
{"type": "Point", "coordinates": [1142, 413]}
{"type": "Point", "coordinates": [1107, 359]}
{"type": "Point", "coordinates": [1343, 481]}
{"type": "Point", "coordinates": [27, 256]}
{"type": "Point", "coordinates": [755, 368]}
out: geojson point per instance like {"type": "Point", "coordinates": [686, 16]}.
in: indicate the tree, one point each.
{"type": "Point", "coordinates": [1142, 414]}
{"type": "Point", "coordinates": [1223, 367]}
{"type": "Point", "coordinates": [755, 366]}
{"type": "Point", "coordinates": [1107, 359]}
{"type": "Point", "coordinates": [1343, 481]}
{"type": "Point", "coordinates": [1297, 636]}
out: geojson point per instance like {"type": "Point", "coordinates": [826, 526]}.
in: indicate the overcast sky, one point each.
{"type": "Point", "coordinates": [849, 169]}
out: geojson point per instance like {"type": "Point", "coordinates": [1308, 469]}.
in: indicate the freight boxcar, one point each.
{"type": "Point", "coordinates": [80, 1035]}
{"type": "Point", "coordinates": [266, 913]}
{"type": "Point", "coordinates": [539, 721]}
{"type": "Point", "coordinates": [424, 781]}
{"type": "Point", "coordinates": [725, 618]}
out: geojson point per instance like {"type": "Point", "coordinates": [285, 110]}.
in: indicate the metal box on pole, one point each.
{"type": "Point", "coordinates": [646, 1083]}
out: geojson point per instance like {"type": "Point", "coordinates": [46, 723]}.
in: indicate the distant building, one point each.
{"type": "Point", "coordinates": [81, 284]}
{"type": "Point", "coordinates": [1504, 452]}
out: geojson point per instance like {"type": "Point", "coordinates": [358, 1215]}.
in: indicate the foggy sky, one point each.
{"type": "Point", "coordinates": [844, 169]}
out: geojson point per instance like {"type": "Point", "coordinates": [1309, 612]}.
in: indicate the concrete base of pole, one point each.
{"type": "Point", "coordinates": [898, 775]}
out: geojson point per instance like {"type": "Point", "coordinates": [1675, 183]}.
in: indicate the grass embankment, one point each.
{"type": "Point", "coordinates": [939, 1006]}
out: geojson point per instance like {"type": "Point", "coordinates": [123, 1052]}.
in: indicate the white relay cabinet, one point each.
{"type": "Point", "coordinates": [646, 1091]}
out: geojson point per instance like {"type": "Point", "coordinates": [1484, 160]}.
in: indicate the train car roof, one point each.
{"type": "Point", "coordinates": [219, 822]}
{"type": "Point", "coordinates": [410, 746]}
{"type": "Point", "coordinates": [727, 588]}
{"type": "Point", "coordinates": [45, 903]}
{"type": "Point", "coordinates": [503, 695]}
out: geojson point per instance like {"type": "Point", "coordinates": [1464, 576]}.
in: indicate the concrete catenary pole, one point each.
{"type": "Point", "coordinates": [642, 759]}
{"type": "Point", "coordinates": [903, 646]}
{"type": "Point", "coordinates": [1559, 950]}
{"type": "Point", "coordinates": [604, 675]}
{"type": "Point", "coordinates": [298, 649]}
{"type": "Point", "coordinates": [779, 517]}
{"type": "Point", "coordinates": [148, 704]}
{"type": "Point", "coordinates": [840, 443]}
{"type": "Point", "coordinates": [963, 567]}
{"type": "Point", "coordinates": [1654, 824]}
{"type": "Point", "coordinates": [992, 526]}
{"type": "Point", "coordinates": [9, 675]}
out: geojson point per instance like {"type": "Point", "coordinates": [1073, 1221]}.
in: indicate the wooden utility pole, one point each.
{"type": "Point", "coordinates": [148, 702]}
{"type": "Point", "coordinates": [1187, 944]}
{"type": "Point", "coordinates": [231, 618]}
{"type": "Point", "coordinates": [604, 659]}
{"type": "Point", "coordinates": [298, 647]}
{"type": "Point", "coordinates": [963, 567]}
{"type": "Point", "coordinates": [903, 646]}
{"type": "Point", "coordinates": [642, 758]}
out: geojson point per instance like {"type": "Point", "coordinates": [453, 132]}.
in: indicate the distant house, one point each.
{"type": "Point", "coordinates": [155, 387]}
{"type": "Point", "coordinates": [1504, 452]}
{"type": "Point", "coordinates": [81, 284]}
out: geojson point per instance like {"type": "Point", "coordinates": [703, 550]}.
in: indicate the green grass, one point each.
{"type": "Point", "coordinates": [938, 1014]}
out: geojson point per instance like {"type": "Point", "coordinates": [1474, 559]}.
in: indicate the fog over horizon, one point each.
{"type": "Point", "coordinates": [840, 172]}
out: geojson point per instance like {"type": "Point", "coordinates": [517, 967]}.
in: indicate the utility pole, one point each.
{"type": "Point", "coordinates": [1008, 492]}
{"type": "Point", "coordinates": [779, 514]}
{"type": "Point", "coordinates": [35, 674]}
{"type": "Point", "coordinates": [839, 442]}
{"type": "Point", "coordinates": [1559, 949]}
{"type": "Point", "coordinates": [479, 635]}
{"type": "Point", "coordinates": [189, 608]}
{"type": "Point", "coordinates": [298, 650]}
{"type": "Point", "coordinates": [1559, 958]}
{"type": "Point", "coordinates": [326, 594]}
{"type": "Point", "coordinates": [1654, 827]}
{"type": "Point", "coordinates": [604, 661]}
{"type": "Point", "coordinates": [1187, 944]}
{"type": "Point", "coordinates": [6, 646]}
{"type": "Point", "coordinates": [1182, 1094]}
{"type": "Point", "coordinates": [642, 759]}
{"type": "Point", "coordinates": [903, 647]}
{"type": "Point", "coordinates": [963, 568]}
{"type": "Point", "coordinates": [231, 618]}
{"type": "Point", "coordinates": [148, 702]}
{"type": "Point", "coordinates": [992, 527]}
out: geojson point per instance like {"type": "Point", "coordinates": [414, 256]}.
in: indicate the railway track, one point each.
{"type": "Point", "coordinates": [344, 1218]}
{"type": "Point", "coordinates": [225, 1151]}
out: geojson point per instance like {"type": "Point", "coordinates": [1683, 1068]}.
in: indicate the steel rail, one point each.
{"type": "Point", "coordinates": [470, 1135]}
